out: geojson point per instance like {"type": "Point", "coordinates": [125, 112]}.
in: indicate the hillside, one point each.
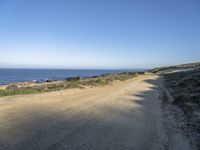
{"type": "Point", "coordinates": [183, 83]}
{"type": "Point", "coordinates": [182, 67]}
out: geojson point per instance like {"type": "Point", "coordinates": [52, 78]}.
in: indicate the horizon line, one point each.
{"type": "Point", "coordinates": [62, 68]}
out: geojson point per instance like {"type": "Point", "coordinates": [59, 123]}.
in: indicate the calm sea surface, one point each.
{"type": "Point", "coordinates": [22, 75]}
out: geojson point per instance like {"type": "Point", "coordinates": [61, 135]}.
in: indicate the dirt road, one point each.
{"type": "Point", "coordinates": [124, 116]}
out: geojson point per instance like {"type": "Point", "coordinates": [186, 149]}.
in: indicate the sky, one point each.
{"type": "Point", "coordinates": [98, 34]}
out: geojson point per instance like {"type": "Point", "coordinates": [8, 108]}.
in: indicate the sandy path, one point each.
{"type": "Point", "coordinates": [126, 115]}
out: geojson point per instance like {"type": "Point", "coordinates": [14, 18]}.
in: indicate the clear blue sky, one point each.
{"type": "Point", "coordinates": [99, 33]}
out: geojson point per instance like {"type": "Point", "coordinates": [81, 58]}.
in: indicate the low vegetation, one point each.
{"type": "Point", "coordinates": [184, 86]}
{"type": "Point", "coordinates": [68, 83]}
{"type": "Point", "coordinates": [163, 70]}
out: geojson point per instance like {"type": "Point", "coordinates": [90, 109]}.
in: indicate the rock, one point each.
{"type": "Point", "coordinates": [72, 78]}
{"type": "Point", "coordinates": [50, 80]}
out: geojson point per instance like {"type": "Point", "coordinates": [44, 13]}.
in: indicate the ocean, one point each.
{"type": "Point", "coordinates": [8, 76]}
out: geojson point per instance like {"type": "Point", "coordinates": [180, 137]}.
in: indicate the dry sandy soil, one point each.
{"type": "Point", "coordinates": [127, 115]}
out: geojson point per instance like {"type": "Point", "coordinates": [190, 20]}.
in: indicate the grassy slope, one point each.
{"type": "Point", "coordinates": [184, 86]}
{"type": "Point", "coordinates": [163, 70]}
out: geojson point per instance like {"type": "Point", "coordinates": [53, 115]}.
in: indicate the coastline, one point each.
{"type": "Point", "coordinates": [22, 88]}
{"type": "Point", "coordinates": [10, 75]}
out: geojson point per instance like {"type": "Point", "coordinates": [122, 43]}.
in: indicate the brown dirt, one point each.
{"type": "Point", "coordinates": [123, 116]}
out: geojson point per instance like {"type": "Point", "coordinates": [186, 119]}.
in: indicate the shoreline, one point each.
{"type": "Point", "coordinates": [10, 76]}
{"type": "Point", "coordinates": [41, 75]}
{"type": "Point", "coordinates": [22, 88]}
{"type": "Point", "coordinates": [48, 80]}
